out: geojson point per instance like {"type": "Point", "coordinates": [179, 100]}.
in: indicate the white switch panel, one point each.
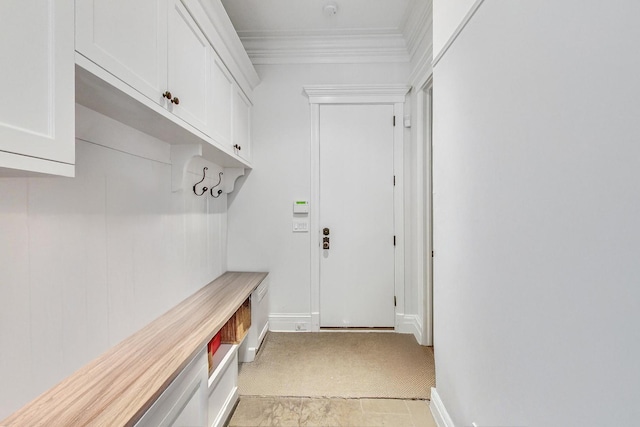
{"type": "Point", "coordinates": [301, 207]}
{"type": "Point", "coordinates": [300, 226]}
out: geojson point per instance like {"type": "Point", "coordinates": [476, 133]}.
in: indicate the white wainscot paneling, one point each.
{"type": "Point", "coordinates": [14, 296]}
{"type": "Point", "coordinates": [66, 245]}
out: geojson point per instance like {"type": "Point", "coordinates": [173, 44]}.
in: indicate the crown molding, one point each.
{"type": "Point", "coordinates": [347, 94]}
{"type": "Point", "coordinates": [325, 47]}
{"type": "Point", "coordinates": [418, 29]}
{"type": "Point", "coordinates": [217, 27]}
{"type": "Point", "coordinates": [422, 69]}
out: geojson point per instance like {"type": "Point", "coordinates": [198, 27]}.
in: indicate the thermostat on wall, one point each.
{"type": "Point", "coordinates": [301, 207]}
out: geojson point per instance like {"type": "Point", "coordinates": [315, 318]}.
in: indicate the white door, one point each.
{"type": "Point", "coordinates": [356, 205]}
{"type": "Point", "coordinates": [188, 68]}
{"type": "Point", "coordinates": [128, 39]}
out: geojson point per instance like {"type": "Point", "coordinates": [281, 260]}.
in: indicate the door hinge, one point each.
{"type": "Point", "coordinates": [394, 240]}
{"type": "Point", "coordinates": [431, 254]}
{"type": "Point", "coordinates": [394, 120]}
{"type": "Point", "coordinates": [394, 180]}
{"type": "Point", "coordinates": [395, 301]}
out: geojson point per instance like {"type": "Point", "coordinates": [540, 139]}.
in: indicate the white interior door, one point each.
{"type": "Point", "coordinates": [356, 205]}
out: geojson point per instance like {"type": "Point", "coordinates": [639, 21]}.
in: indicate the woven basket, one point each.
{"type": "Point", "coordinates": [237, 327]}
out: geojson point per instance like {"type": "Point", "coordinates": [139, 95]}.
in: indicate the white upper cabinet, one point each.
{"type": "Point", "coordinates": [241, 123]}
{"type": "Point", "coordinates": [37, 113]}
{"type": "Point", "coordinates": [128, 39]}
{"type": "Point", "coordinates": [163, 67]}
{"type": "Point", "coordinates": [220, 98]}
{"type": "Point", "coordinates": [188, 66]}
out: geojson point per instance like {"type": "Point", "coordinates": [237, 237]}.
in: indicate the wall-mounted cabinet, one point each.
{"type": "Point", "coordinates": [158, 50]}
{"type": "Point", "coordinates": [188, 68]}
{"type": "Point", "coordinates": [137, 52]}
{"type": "Point", "coordinates": [161, 73]}
{"type": "Point", "coordinates": [241, 124]}
{"type": "Point", "coordinates": [37, 109]}
{"type": "Point", "coordinates": [220, 98]}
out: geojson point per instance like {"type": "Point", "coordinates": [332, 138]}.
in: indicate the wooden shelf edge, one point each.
{"type": "Point", "coordinates": [119, 386]}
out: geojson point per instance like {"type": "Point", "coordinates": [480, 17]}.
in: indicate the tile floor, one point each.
{"type": "Point", "coordinates": [320, 412]}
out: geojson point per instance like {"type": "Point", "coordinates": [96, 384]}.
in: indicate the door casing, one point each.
{"type": "Point", "coordinates": [394, 95]}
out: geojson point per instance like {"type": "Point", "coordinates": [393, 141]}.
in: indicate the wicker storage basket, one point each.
{"type": "Point", "coordinates": [237, 327]}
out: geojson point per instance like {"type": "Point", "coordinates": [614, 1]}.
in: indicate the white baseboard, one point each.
{"type": "Point", "coordinates": [439, 412]}
{"type": "Point", "coordinates": [263, 333]}
{"type": "Point", "coordinates": [247, 353]}
{"type": "Point", "coordinates": [409, 324]}
{"type": "Point", "coordinates": [290, 322]}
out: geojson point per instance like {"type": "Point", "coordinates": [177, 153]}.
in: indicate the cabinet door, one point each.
{"type": "Point", "coordinates": [184, 402]}
{"type": "Point", "coordinates": [188, 67]}
{"type": "Point", "coordinates": [241, 123]}
{"type": "Point", "coordinates": [220, 97]}
{"type": "Point", "coordinates": [37, 74]}
{"type": "Point", "coordinates": [128, 39]}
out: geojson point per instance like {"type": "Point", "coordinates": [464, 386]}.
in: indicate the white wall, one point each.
{"type": "Point", "coordinates": [87, 261]}
{"type": "Point", "coordinates": [260, 214]}
{"type": "Point", "coordinates": [447, 16]}
{"type": "Point", "coordinates": [537, 232]}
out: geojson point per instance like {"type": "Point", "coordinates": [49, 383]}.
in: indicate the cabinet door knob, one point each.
{"type": "Point", "coordinates": [167, 95]}
{"type": "Point", "coordinates": [175, 100]}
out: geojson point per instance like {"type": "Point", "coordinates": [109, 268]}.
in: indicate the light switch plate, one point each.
{"type": "Point", "coordinates": [300, 226]}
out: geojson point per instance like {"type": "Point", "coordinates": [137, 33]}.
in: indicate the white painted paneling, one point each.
{"type": "Point", "coordinates": [122, 203]}
{"type": "Point", "coordinates": [92, 180]}
{"type": "Point", "coordinates": [87, 261]}
{"type": "Point", "coordinates": [15, 313]}
{"type": "Point", "coordinates": [260, 211]}
{"type": "Point", "coordinates": [536, 216]}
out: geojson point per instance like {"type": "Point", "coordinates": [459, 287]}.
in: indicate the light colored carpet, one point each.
{"type": "Point", "coordinates": [336, 364]}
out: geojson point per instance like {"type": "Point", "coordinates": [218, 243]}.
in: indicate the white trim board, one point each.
{"type": "Point", "coordinates": [305, 47]}
{"type": "Point", "coordinates": [438, 410]}
{"type": "Point", "coordinates": [409, 324]}
{"type": "Point", "coordinates": [394, 95]}
{"type": "Point", "coordinates": [356, 94]}
{"type": "Point", "coordinates": [423, 210]}
{"type": "Point", "coordinates": [290, 322]}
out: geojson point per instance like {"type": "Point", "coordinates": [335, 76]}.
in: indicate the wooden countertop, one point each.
{"type": "Point", "coordinates": [118, 387]}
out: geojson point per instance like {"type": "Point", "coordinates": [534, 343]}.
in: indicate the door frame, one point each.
{"type": "Point", "coordinates": [394, 95]}
{"type": "Point", "coordinates": [424, 204]}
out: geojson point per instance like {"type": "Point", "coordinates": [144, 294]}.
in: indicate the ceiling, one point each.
{"type": "Point", "coordinates": [308, 15]}
{"type": "Point", "coordinates": [276, 31]}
